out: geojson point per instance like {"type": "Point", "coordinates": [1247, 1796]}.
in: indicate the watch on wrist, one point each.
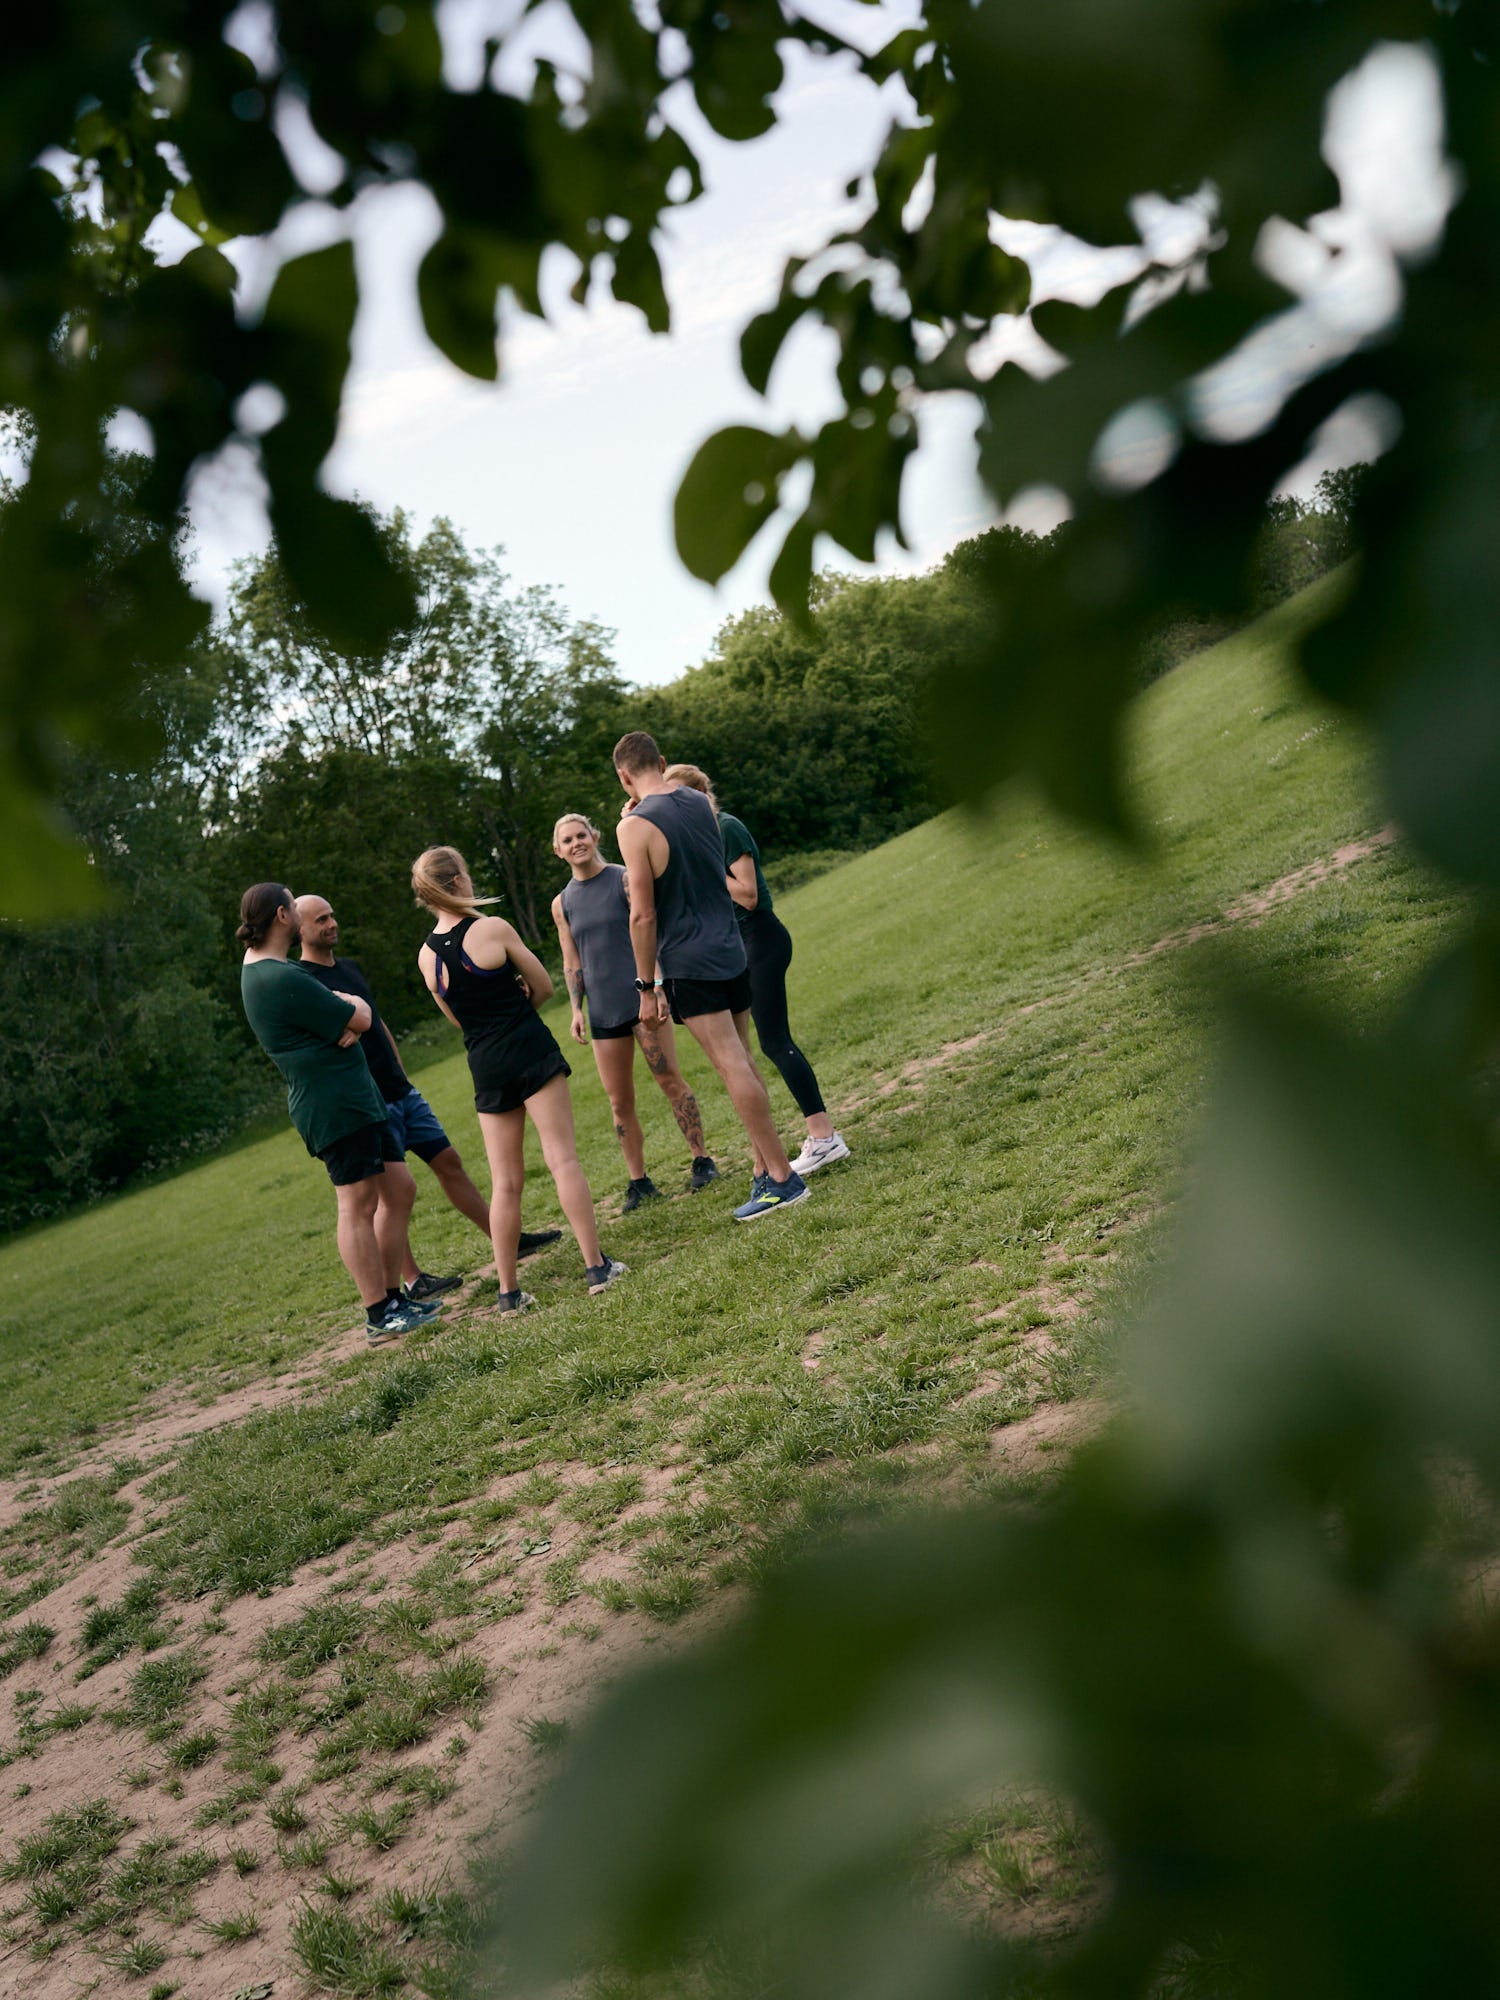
{"type": "Point", "coordinates": [645, 986]}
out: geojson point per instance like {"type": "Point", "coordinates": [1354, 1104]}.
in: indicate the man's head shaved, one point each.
{"type": "Point", "coordinates": [312, 906]}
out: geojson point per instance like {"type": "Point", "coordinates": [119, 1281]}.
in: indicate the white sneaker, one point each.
{"type": "Point", "coordinates": [820, 1153]}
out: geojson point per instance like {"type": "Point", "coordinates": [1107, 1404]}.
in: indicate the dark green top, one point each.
{"type": "Point", "coordinates": [329, 1091]}
{"type": "Point", "coordinates": [738, 840]}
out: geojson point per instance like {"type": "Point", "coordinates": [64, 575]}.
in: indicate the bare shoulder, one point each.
{"type": "Point", "coordinates": [557, 908]}
{"type": "Point", "coordinates": [494, 931]}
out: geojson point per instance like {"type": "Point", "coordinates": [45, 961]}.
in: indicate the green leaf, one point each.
{"type": "Point", "coordinates": [765, 335]}
{"type": "Point", "coordinates": [727, 495]}
{"type": "Point", "coordinates": [791, 573]}
{"type": "Point", "coordinates": [638, 280]}
{"type": "Point", "coordinates": [334, 559]}
{"type": "Point", "coordinates": [54, 879]}
{"type": "Point", "coordinates": [187, 206]}
{"type": "Point", "coordinates": [458, 288]}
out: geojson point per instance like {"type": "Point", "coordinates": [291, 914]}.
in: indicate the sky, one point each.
{"type": "Point", "coordinates": [571, 461]}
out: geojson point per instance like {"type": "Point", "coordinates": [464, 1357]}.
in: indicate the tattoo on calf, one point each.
{"type": "Point", "coordinates": [689, 1118]}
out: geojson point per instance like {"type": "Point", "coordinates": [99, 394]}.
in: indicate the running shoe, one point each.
{"type": "Point", "coordinates": [514, 1302]}
{"type": "Point", "coordinates": [400, 1316]}
{"type": "Point", "coordinates": [820, 1153]}
{"type": "Point", "coordinates": [645, 1189]}
{"type": "Point", "coordinates": [533, 1240]}
{"type": "Point", "coordinates": [704, 1174]}
{"type": "Point", "coordinates": [771, 1196]}
{"type": "Point", "coordinates": [602, 1276]}
{"type": "Point", "coordinates": [425, 1286]}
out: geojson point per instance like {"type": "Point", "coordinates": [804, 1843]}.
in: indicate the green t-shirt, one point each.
{"type": "Point", "coordinates": [738, 840]}
{"type": "Point", "coordinates": [329, 1090]}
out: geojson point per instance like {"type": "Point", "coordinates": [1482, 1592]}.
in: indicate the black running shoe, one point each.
{"type": "Point", "coordinates": [533, 1240]}
{"type": "Point", "coordinates": [425, 1286]}
{"type": "Point", "coordinates": [704, 1174]}
{"type": "Point", "coordinates": [601, 1276]}
{"type": "Point", "coordinates": [645, 1189]}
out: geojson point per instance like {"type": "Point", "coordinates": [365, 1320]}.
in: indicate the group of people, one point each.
{"type": "Point", "coordinates": [683, 932]}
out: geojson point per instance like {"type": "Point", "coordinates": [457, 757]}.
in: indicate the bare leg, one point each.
{"type": "Point", "coordinates": [395, 1193]}
{"type": "Point", "coordinates": [659, 1047]}
{"type": "Point", "coordinates": [615, 1061]}
{"type": "Point", "coordinates": [718, 1037]}
{"type": "Point", "coordinates": [357, 1245]}
{"type": "Point", "coordinates": [551, 1111]}
{"type": "Point", "coordinates": [742, 1029]}
{"type": "Point", "coordinates": [504, 1142]}
{"type": "Point", "coordinates": [460, 1190]}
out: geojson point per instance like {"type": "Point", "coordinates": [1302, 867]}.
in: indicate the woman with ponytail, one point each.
{"type": "Point", "coordinates": [489, 984]}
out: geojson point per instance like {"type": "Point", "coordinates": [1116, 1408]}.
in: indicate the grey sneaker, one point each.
{"type": "Point", "coordinates": [514, 1302]}
{"type": "Point", "coordinates": [820, 1153]}
{"type": "Point", "coordinates": [602, 1276]}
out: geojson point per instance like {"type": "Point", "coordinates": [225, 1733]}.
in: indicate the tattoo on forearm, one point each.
{"type": "Point", "coordinates": [575, 986]}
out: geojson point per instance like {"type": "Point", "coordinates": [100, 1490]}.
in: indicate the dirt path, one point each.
{"type": "Point", "coordinates": [1249, 911]}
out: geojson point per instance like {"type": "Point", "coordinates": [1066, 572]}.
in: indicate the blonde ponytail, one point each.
{"type": "Point", "coordinates": [434, 875]}
{"type": "Point", "coordinates": [694, 779]}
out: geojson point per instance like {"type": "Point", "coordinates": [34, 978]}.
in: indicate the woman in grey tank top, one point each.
{"type": "Point", "coordinates": [592, 914]}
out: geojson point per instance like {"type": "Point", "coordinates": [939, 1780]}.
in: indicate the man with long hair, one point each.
{"type": "Point", "coordinates": [312, 1036]}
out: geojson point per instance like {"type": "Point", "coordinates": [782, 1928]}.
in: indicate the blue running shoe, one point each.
{"type": "Point", "coordinates": [768, 1197]}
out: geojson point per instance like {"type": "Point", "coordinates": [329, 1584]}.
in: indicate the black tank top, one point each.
{"type": "Point", "coordinates": [696, 934]}
{"type": "Point", "coordinates": [499, 1023]}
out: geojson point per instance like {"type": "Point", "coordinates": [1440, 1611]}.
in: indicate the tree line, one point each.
{"type": "Point", "coordinates": [277, 755]}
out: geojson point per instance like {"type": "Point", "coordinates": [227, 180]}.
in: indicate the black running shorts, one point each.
{"type": "Point", "coordinates": [687, 997]}
{"type": "Point", "coordinates": [617, 1033]}
{"type": "Point", "coordinates": [510, 1092]}
{"type": "Point", "coordinates": [360, 1154]}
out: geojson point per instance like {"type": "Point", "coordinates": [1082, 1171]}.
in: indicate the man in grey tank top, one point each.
{"type": "Point", "coordinates": [681, 915]}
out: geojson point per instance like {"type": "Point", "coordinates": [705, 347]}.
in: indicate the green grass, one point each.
{"type": "Point", "coordinates": [999, 1217]}
{"type": "Point", "coordinates": [1036, 1145]}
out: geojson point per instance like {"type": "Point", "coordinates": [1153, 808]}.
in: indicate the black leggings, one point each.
{"type": "Point", "coordinates": [768, 947]}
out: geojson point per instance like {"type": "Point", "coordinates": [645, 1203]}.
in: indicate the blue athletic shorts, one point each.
{"type": "Point", "coordinates": [415, 1127]}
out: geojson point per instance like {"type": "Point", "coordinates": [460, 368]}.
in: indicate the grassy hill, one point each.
{"type": "Point", "coordinates": [1016, 1067]}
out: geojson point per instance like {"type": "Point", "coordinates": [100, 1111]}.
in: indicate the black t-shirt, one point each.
{"type": "Point", "coordinates": [344, 976]}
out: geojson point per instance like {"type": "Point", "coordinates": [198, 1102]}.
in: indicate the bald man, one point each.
{"type": "Point", "coordinates": [413, 1122]}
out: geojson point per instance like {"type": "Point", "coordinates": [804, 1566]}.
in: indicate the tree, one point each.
{"type": "Point", "coordinates": [481, 710]}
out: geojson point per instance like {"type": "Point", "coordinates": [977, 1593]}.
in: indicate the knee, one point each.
{"type": "Point", "coordinates": [622, 1107]}
{"type": "Point", "coordinates": [560, 1158]}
